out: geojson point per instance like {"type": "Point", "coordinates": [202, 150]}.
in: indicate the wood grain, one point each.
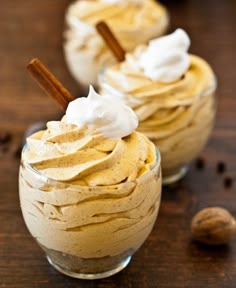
{"type": "Point", "coordinates": [169, 258]}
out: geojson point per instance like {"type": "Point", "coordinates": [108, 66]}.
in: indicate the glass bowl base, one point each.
{"type": "Point", "coordinates": [175, 176]}
{"type": "Point", "coordinates": [91, 276]}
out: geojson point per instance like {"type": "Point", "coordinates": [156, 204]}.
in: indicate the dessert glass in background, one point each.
{"type": "Point", "coordinates": [90, 188]}
{"type": "Point", "coordinates": [173, 95]}
{"type": "Point", "coordinates": [133, 21]}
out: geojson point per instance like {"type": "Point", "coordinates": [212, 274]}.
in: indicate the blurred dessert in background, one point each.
{"type": "Point", "coordinates": [133, 21]}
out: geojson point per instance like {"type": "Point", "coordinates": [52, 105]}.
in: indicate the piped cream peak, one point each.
{"type": "Point", "coordinates": [166, 59]}
{"type": "Point", "coordinates": [110, 117]}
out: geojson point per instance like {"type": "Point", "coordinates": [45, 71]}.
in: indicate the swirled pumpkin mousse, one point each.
{"type": "Point", "coordinates": [90, 186]}
{"type": "Point", "coordinates": [133, 21]}
{"type": "Point", "coordinates": [172, 93]}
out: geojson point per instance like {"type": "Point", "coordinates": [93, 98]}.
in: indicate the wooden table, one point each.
{"type": "Point", "coordinates": [169, 258]}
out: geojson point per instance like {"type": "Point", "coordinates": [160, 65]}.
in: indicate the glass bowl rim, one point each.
{"type": "Point", "coordinates": [103, 81]}
{"type": "Point", "coordinates": [68, 184]}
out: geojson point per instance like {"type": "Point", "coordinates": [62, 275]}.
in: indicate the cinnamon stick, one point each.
{"type": "Point", "coordinates": [49, 83]}
{"type": "Point", "coordinates": [111, 41]}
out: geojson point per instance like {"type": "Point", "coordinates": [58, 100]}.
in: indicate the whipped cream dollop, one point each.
{"type": "Point", "coordinates": [110, 117]}
{"type": "Point", "coordinates": [166, 59]}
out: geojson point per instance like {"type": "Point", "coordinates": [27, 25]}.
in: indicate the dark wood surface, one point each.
{"type": "Point", "coordinates": [169, 258]}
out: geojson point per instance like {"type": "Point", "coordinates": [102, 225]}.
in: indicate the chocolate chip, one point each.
{"type": "Point", "coordinates": [5, 137]}
{"type": "Point", "coordinates": [228, 182]}
{"type": "Point", "coordinates": [221, 167]}
{"type": "Point", "coordinates": [200, 163]}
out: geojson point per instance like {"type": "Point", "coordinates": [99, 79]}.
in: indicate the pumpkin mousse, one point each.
{"type": "Point", "coordinates": [90, 186]}
{"type": "Point", "coordinates": [172, 93]}
{"type": "Point", "coordinates": [133, 22]}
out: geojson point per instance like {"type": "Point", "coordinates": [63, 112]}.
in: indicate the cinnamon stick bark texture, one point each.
{"type": "Point", "coordinates": [49, 83]}
{"type": "Point", "coordinates": [111, 41]}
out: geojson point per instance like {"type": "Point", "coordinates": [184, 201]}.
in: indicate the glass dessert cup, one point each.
{"type": "Point", "coordinates": [181, 147]}
{"type": "Point", "coordinates": [89, 232]}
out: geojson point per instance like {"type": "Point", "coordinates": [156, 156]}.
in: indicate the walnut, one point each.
{"type": "Point", "coordinates": [213, 226]}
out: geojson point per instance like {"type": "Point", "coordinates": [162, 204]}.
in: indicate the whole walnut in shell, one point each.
{"type": "Point", "coordinates": [213, 226]}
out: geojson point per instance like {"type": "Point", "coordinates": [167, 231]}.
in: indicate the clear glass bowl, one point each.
{"type": "Point", "coordinates": [89, 232]}
{"type": "Point", "coordinates": [184, 145]}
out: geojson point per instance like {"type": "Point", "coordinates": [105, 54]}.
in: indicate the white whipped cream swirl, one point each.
{"type": "Point", "coordinates": [166, 59]}
{"type": "Point", "coordinates": [110, 117]}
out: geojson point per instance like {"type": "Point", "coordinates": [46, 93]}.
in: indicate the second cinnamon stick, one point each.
{"type": "Point", "coordinates": [111, 41]}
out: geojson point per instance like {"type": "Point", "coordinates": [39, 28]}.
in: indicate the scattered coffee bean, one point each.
{"type": "Point", "coordinates": [5, 137]}
{"type": "Point", "coordinates": [200, 163]}
{"type": "Point", "coordinates": [228, 182]}
{"type": "Point", "coordinates": [221, 167]}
